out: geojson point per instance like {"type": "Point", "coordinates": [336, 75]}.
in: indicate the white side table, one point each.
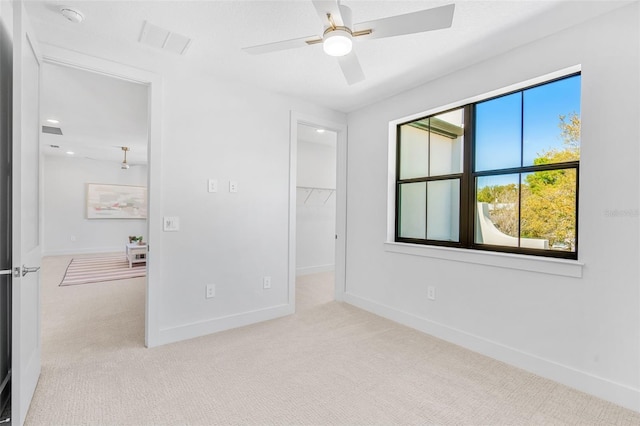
{"type": "Point", "coordinates": [136, 254]}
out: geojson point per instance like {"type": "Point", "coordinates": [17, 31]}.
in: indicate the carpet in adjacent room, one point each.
{"type": "Point", "coordinates": [109, 267]}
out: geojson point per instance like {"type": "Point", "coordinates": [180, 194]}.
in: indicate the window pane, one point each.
{"type": "Point", "coordinates": [413, 210]}
{"type": "Point", "coordinates": [552, 122]}
{"type": "Point", "coordinates": [414, 152]}
{"type": "Point", "coordinates": [443, 210]}
{"type": "Point", "coordinates": [549, 210]}
{"type": "Point", "coordinates": [497, 210]}
{"type": "Point", "coordinates": [498, 133]}
{"type": "Point", "coordinates": [446, 147]}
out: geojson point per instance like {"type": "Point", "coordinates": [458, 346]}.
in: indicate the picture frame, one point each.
{"type": "Point", "coordinates": [107, 201]}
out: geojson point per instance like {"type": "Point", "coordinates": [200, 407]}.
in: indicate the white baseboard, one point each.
{"type": "Point", "coordinates": [93, 250]}
{"type": "Point", "coordinates": [307, 270]}
{"type": "Point", "coordinates": [617, 393]}
{"type": "Point", "coordinates": [202, 328]}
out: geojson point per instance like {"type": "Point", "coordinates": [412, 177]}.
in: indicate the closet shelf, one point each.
{"type": "Point", "coordinates": [311, 189]}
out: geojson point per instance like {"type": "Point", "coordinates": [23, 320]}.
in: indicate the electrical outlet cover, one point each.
{"type": "Point", "coordinates": [210, 291]}
{"type": "Point", "coordinates": [431, 293]}
{"type": "Point", "coordinates": [212, 185]}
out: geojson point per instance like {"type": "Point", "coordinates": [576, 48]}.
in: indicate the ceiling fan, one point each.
{"type": "Point", "coordinates": [125, 165]}
{"type": "Point", "coordinates": [339, 33]}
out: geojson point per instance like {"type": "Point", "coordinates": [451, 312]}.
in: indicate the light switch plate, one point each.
{"type": "Point", "coordinates": [171, 223]}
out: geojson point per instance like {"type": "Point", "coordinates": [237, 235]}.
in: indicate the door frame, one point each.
{"type": "Point", "coordinates": [341, 200]}
{"type": "Point", "coordinates": [59, 56]}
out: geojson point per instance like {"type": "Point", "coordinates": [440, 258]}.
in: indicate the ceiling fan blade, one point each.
{"type": "Point", "coordinates": [328, 6]}
{"type": "Point", "coordinates": [351, 68]}
{"type": "Point", "coordinates": [281, 45]}
{"type": "Point", "coordinates": [410, 23]}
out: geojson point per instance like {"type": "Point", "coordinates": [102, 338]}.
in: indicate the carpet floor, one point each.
{"type": "Point", "coordinates": [329, 364]}
{"type": "Point", "coordinates": [108, 267]}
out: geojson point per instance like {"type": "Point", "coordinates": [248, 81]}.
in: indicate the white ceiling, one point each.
{"type": "Point", "coordinates": [220, 29]}
{"type": "Point", "coordinates": [97, 114]}
{"type": "Point", "coordinates": [317, 135]}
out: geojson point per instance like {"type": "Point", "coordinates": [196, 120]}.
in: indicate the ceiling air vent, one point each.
{"type": "Point", "coordinates": [52, 130]}
{"type": "Point", "coordinates": [153, 35]}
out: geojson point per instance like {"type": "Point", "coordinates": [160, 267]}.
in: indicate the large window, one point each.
{"type": "Point", "coordinates": [500, 174]}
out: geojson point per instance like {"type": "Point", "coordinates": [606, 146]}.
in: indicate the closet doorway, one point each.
{"type": "Point", "coordinates": [316, 179]}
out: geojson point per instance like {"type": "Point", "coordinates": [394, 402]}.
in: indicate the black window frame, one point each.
{"type": "Point", "coordinates": [468, 205]}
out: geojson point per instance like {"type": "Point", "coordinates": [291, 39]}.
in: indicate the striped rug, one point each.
{"type": "Point", "coordinates": [110, 267]}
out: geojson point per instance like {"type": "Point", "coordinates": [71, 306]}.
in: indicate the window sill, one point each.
{"type": "Point", "coordinates": [543, 265]}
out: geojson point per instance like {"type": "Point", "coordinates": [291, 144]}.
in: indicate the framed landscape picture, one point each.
{"type": "Point", "coordinates": [116, 201]}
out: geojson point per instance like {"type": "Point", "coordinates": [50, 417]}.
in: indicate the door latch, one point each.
{"type": "Point", "coordinates": [28, 269]}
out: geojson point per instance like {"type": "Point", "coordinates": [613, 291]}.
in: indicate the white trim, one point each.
{"type": "Point", "coordinates": [340, 275]}
{"type": "Point", "coordinates": [491, 94]}
{"type": "Point", "coordinates": [315, 269]}
{"type": "Point", "coordinates": [56, 55]}
{"type": "Point", "coordinates": [543, 265]}
{"type": "Point", "coordinates": [341, 199]}
{"type": "Point", "coordinates": [61, 56]}
{"type": "Point", "coordinates": [617, 393]}
{"type": "Point", "coordinates": [515, 261]}
{"type": "Point", "coordinates": [210, 326]}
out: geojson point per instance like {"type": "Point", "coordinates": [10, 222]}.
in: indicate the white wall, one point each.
{"type": "Point", "coordinates": [315, 218]}
{"type": "Point", "coordinates": [64, 209]}
{"type": "Point", "coordinates": [584, 332]}
{"type": "Point", "coordinates": [216, 129]}
{"type": "Point", "coordinates": [210, 128]}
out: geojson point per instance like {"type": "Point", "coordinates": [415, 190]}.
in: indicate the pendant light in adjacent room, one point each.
{"type": "Point", "coordinates": [125, 165]}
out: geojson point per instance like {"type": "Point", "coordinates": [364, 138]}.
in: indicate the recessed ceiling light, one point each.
{"type": "Point", "coordinates": [320, 130]}
{"type": "Point", "coordinates": [70, 152]}
{"type": "Point", "coordinates": [53, 121]}
{"type": "Point", "coordinates": [72, 14]}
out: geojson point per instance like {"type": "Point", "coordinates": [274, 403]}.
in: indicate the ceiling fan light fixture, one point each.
{"type": "Point", "coordinates": [337, 42]}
